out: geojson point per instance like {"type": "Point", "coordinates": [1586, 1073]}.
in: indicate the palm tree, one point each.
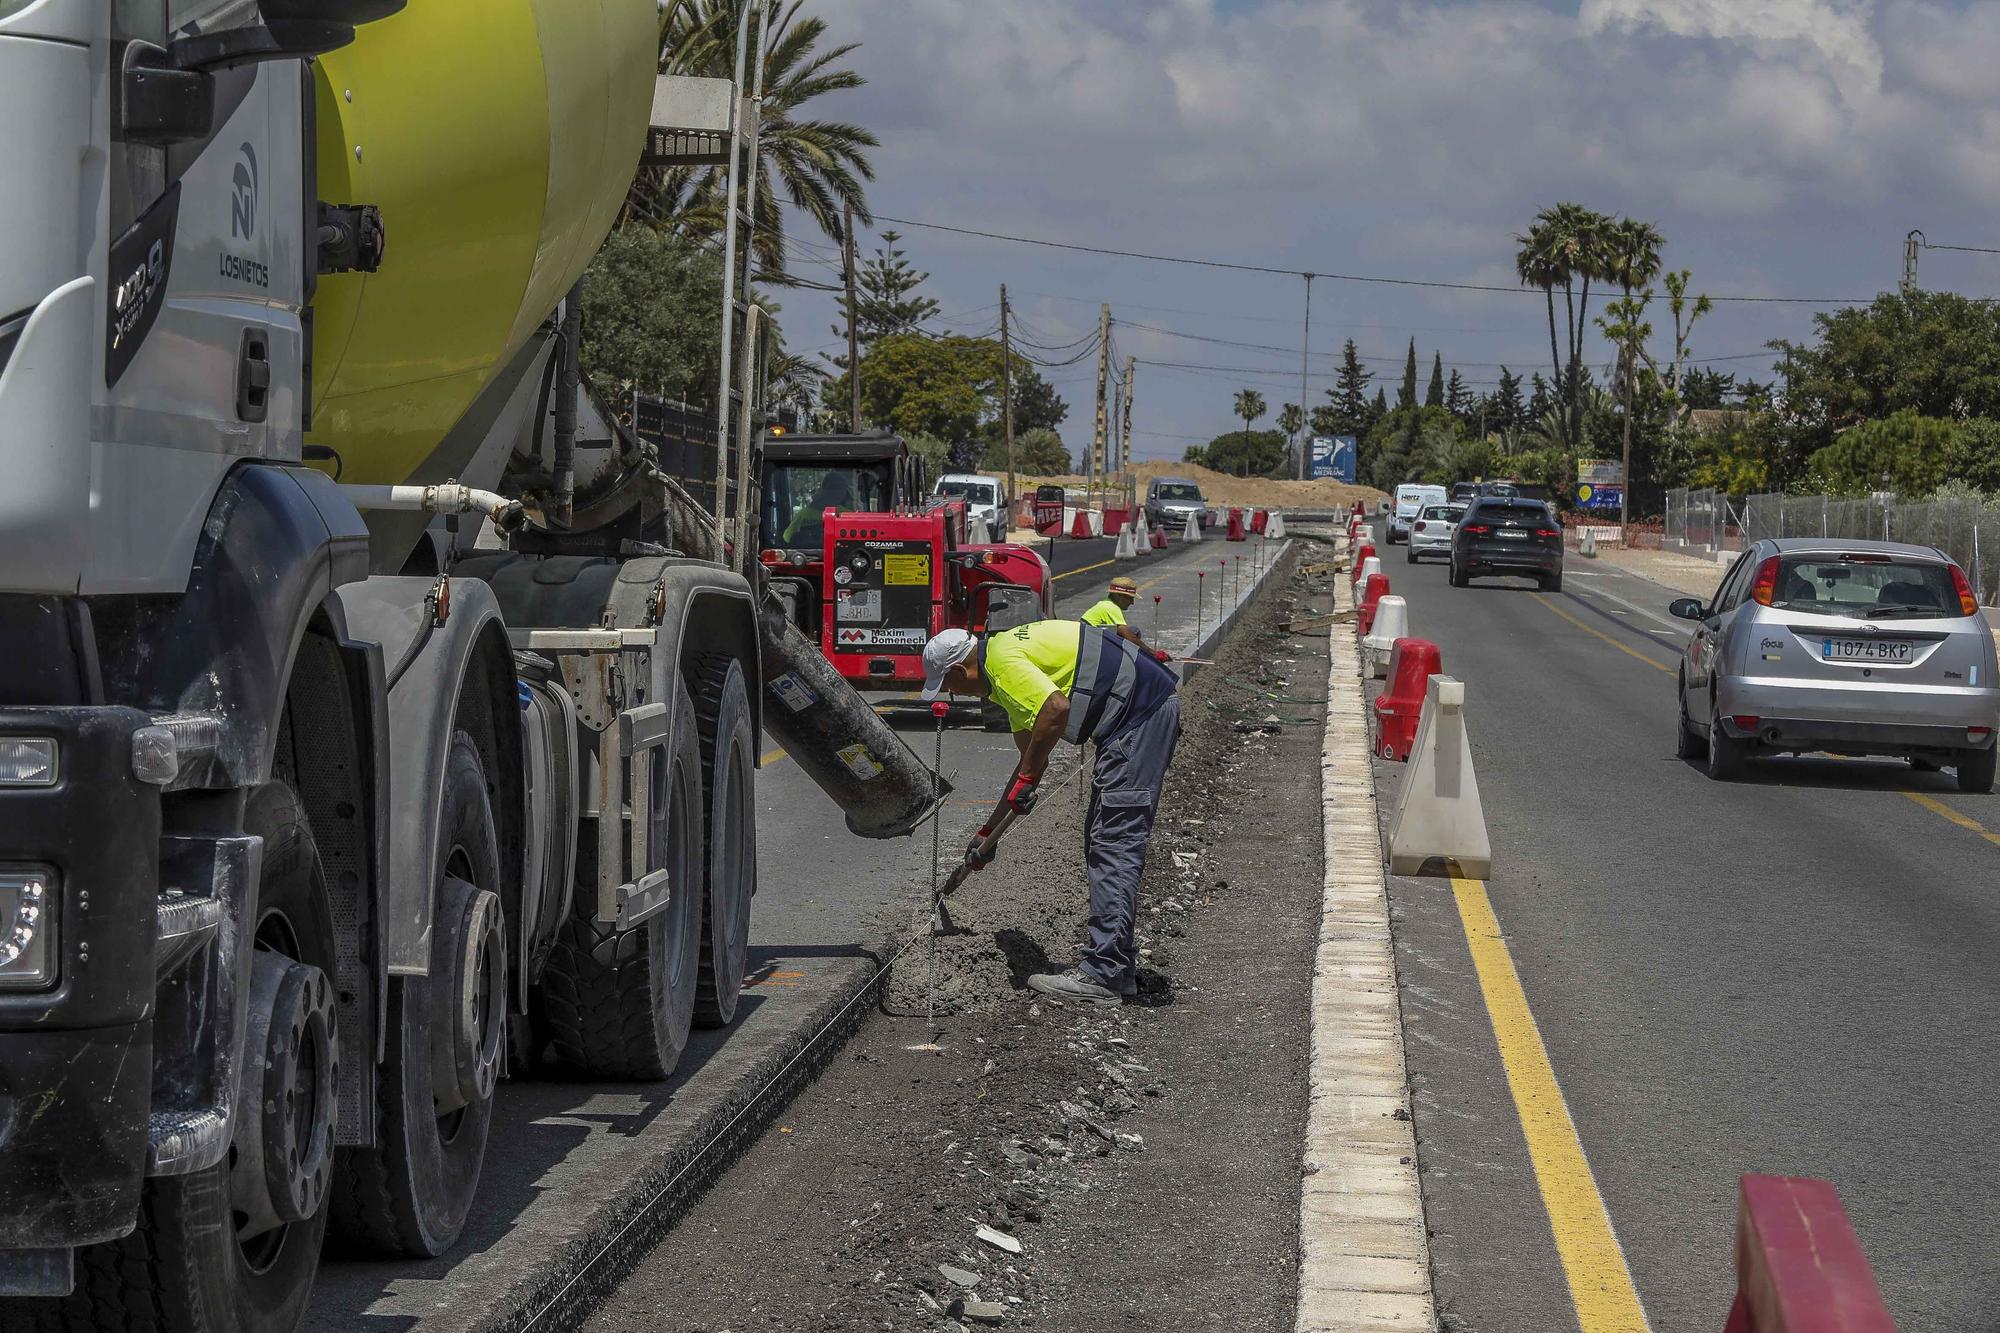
{"type": "Point", "coordinates": [1290, 419]}
{"type": "Point", "coordinates": [821, 164]}
{"type": "Point", "coordinates": [1250, 406]}
{"type": "Point", "coordinates": [1568, 245]}
{"type": "Point", "coordinates": [1624, 323]}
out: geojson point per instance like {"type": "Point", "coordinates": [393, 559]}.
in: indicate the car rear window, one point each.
{"type": "Point", "coordinates": [1519, 515]}
{"type": "Point", "coordinates": [1177, 490]}
{"type": "Point", "coordinates": [1444, 513]}
{"type": "Point", "coordinates": [1866, 586]}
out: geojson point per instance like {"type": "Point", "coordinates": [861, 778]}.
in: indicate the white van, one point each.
{"type": "Point", "coordinates": [1410, 501]}
{"type": "Point", "coordinates": [983, 499]}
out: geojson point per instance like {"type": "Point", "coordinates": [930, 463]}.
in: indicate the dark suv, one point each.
{"type": "Point", "coordinates": [1508, 536]}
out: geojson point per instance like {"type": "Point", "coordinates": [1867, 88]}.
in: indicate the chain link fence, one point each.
{"type": "Point", "coordinates": [1701, 521]}
{"type": "Point", "coordinates": [1964, 528]}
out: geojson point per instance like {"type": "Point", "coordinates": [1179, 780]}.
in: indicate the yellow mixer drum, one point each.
{"type": "Point", "coordinates": [498, 138]}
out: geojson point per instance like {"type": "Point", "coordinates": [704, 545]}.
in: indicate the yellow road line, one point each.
{"type": "Point", "coordinates": [1600, 634]}
{"type": "Point", "coordinates": [1600, 1284]}
{"type": "Point", "coordinates": [771, 756]}
{"type": "Point", "coordinates": [1081, 569]}
{"type": "Point", "coordinates": [1935, 806]}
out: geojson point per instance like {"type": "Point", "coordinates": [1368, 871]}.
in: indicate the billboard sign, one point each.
{"type": "Point", "coordinates": [1333, 456]}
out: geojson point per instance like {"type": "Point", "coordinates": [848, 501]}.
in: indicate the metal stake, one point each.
{"type": "Point", "coordinates": [938, 710]}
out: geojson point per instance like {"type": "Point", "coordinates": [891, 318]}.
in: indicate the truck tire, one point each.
{"type": "Point", "coordinates": [184, 1269]}
{"type": "Point", "coordinates": [620, 1003]}
{"type": "Point", "coordinates": [409, 1195]}
{"type": "Point", "coordinates": [728, 783]}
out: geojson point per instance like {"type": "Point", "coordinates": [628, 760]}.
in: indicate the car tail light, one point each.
{"type": "Point", "coordinates": [1545, 532]}
{"type": "Point", "coordinates": [1418, 528]}
{"type": "Point", "coordinates": [1746, 722]}
{"type": "Point", "coordinates": [1968, 601]}
{"type": "Point", "coordinates": [1765, 587]}
{"type": "Point", "coordinates": [1974, 735]}
{"type": "Point", "coordinates": [1477, 529]}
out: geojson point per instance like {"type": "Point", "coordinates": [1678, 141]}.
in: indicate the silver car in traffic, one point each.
{"type": "Point", "coordinates": [1849, 647]}
{"type": "Point", "coordinates": [1431, 533]}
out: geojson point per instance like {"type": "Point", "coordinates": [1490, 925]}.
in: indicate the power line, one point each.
{"type": "Point", "coordinates": [1239, 267]}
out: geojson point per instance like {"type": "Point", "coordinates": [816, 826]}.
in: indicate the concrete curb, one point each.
{"type": "Point", "coordinates": [572, 1276]}
{"type": "Point", "coordinates": [1212, 635]}
{"type": "Point", "coordinates": [1364, 1255]}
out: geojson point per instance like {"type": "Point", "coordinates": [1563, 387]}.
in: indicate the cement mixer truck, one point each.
{"type": "Point", "coordinates": [359, 744]}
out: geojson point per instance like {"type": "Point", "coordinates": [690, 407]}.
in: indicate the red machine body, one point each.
{"type": "Point", "coordinates": [875, 575]}
{"type": "Point", "coordinates": [894, 580]}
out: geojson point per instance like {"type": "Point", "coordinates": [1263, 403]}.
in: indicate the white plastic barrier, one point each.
{"type": "Point", "coordinates": [1588, 547]}
{"type": "Point", "coordinates": [1127, 547]}
{"type": "Point", "coordinates": [1372, 565]}
{"type": "Point", "coordinates": [1274, 530]}
{"type": "Point", "coordinates": [976, 533]}
{"type": "Point", "coordinates": [1191, 532]}
{"type": "Point", "coordinates": [1392, 622]}
{"type": "Point", "coordinates": [1439, 826]}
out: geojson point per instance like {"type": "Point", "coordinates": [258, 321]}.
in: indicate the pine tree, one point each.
{"type": "Point", "coordinates": [1540, 401]}
{"type": "Point", "coordinates": [1379, 408]}
{"type": "Point", "coordinates": [1504, 410]}
{"type": "Point", "coordinates": [1350, 413]}
{"type": "Point", "coordinates": [884, 303]}
{"type": "Point", "coordinates": [1457, 397]}
{"type": "Point", "coordinates": [1406, 397]}
{"type": "Point", "coordinates": [1434, 394]}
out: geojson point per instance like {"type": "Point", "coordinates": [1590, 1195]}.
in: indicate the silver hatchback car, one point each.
{"type": "Point", "coordinates": [1850, 647]}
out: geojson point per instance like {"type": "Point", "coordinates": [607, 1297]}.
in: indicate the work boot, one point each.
{"type": "Point", "coordinates": [1074, 985]}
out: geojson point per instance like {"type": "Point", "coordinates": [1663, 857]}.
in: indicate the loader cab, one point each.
{"type": "Point", "coordinates": [804, 475]}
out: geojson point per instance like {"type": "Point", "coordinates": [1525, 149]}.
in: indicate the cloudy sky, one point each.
{"type": "Point", "coordinates": [1784, 147]}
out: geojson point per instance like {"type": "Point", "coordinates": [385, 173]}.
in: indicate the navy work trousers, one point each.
{"type": "Point", "coordinates": [1124, 797]}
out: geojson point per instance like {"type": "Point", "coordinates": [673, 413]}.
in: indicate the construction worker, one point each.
{"type": "Point", "coordinates": [1060, 680]}
{"type": "Point", "coordinates": [1110, 614]}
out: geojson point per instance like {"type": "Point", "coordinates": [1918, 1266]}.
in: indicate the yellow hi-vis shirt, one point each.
{"type": "Point", "coordinates": [1105, 612]}
{"type": "Point", "coordinates": [1026, 664]}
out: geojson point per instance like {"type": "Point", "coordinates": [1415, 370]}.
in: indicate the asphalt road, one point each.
{"type": "Point", "coordinates": [826, 901]}
{"type": "Point", "coordinates": [1790, 974]}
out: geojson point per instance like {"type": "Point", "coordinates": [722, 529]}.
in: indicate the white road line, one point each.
{"type": "Point", "coordinates": [1634, 606]}
{"type": "Point", "coordinates": [1364, 1256]}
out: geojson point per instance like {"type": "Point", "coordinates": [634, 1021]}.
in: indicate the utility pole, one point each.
{"type": "Point", "coordinates": [1305, 409]}
{"type": "Point", "coordinates": [1103, 370]}
{"type": "Point", "coordinates": [853, 354]}
{"type": "Point", "coordinates": [1007, 400]}
{"type": "Point", "coordinates": [1912, 243]}
{"type": "Point", "coordinates": [1125, 436]}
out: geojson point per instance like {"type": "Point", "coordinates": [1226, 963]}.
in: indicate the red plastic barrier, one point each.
{"type": "Point", "coordinates": [1412, 662]}
{"type": "Point", "coordinates": [1080, 525]}
{"type": "Point", "coordinates": [1360, 509]}
{"type": "Point", "coordinates": [1372, 594]}
{"type": "Point", "coordinates": [1799, 1265]}
{"type": "Point", "coordinates": [1115, 520]}
{"type": "Point", "coordinates": [1361, 554]}
{"type": "Point", "coordinates": [1235, 533]}
{"type": "Point", "coordinates": [1258, 518]}
{"type": "Point", "coordinates": [1159, 539]}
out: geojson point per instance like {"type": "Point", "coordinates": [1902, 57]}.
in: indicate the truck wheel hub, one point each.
{"type": "Point", "coordinates": [283, 1151]}
{"type": "Point", "coordinates": [469, 1018]}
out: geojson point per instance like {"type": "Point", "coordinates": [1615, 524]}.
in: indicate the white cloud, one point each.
{"type": "Point", "coordinates": [1784, 144]}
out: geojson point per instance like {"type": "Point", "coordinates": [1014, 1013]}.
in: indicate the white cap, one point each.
{"type": "Point", "coordinates": [945, 650]}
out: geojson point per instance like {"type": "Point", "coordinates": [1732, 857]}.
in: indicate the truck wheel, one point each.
{"type": "Point", "coordinates": [234, 1249]}
{"type": "Point", "coordinates": [620, 1003]}
{"type": "Point", "coordinates": [728, 779]}
{"type": "Point", "coordinates": [410, 1193]}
